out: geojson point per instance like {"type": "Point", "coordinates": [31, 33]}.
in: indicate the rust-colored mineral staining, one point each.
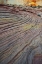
{"type": "Point", "coordinates": [37, 59]}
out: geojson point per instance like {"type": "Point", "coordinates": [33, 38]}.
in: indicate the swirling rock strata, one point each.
{"type": "Point", "coordinates": [20, 38]}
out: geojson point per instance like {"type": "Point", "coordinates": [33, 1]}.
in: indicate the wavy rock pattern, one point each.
{"type": "Point", "coordinates": [17, 44]}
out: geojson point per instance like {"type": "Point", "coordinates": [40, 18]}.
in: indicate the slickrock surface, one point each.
{"type": "Point", "coordinates": [20, 35]}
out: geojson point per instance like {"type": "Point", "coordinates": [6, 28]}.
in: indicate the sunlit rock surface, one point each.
{"type": "Point", "coordinates": [20, 35]}
{"type": "Point", "coordinates": [21, 2]}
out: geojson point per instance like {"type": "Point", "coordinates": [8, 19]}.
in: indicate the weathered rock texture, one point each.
{"type": "Point", "coordinates": [20, 35]}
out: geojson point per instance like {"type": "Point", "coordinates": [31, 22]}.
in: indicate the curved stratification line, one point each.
{"type": "Point", "coordinates": [14, 58]}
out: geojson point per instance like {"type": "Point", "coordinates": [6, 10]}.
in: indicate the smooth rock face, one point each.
{"type": "Point", "coordinates": [20, 35]}
{"type": "Point", "coordinates": [37, 59]}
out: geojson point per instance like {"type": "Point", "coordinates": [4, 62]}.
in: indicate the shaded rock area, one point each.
{"type": "Point", "coordinates": [20, 35]}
